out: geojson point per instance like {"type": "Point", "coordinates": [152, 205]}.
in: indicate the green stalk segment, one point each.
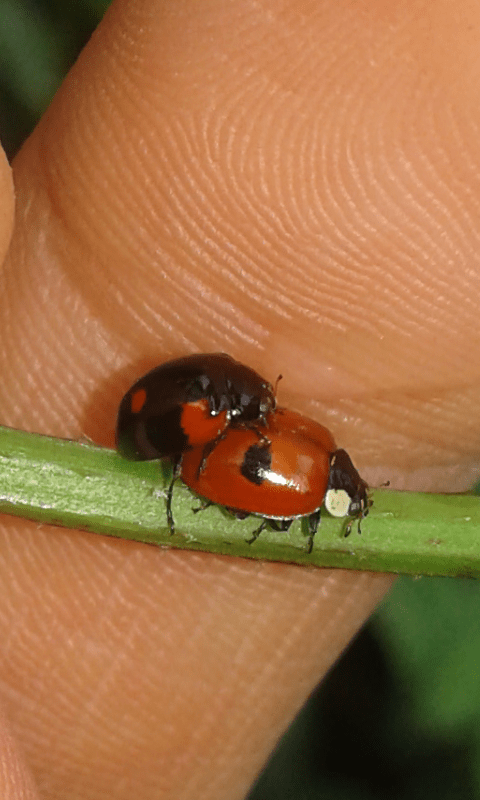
{"type": "Point", "coordinates": [79, 485]}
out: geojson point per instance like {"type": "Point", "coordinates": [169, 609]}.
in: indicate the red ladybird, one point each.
{"type": "Point", "coordinates": [280, 471]}
{"type": "Point", "coordinates": [190, 402]}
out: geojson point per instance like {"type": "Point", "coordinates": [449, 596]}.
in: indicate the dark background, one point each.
{"type": "Point", "coordinates": [399, 715]}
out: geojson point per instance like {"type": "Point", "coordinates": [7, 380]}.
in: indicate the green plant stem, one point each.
{"type": "Point", "coordinates": [79, 485]}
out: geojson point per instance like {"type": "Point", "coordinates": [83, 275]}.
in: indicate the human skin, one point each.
{"type": "Point", "coordinates": [296, 185]}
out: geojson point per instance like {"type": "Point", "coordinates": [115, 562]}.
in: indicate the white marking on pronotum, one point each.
{"type": "Point", "coordinates": [337, 502]}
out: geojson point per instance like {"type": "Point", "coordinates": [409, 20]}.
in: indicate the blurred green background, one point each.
{"type": "Point", "coordinates": [39, 41]}
{"type": "Point", "coordinates": [399, 715]}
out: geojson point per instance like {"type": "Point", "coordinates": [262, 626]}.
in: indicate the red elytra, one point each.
{"type": "Point", "coordinates": [279, 471]}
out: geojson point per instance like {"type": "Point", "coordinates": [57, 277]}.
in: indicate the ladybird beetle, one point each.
{"type": "Point", "coordinates": [190, 402]}
{"type": "Point", "coordinates": [280, 472]}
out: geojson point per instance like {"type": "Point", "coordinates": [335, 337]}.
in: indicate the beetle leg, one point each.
{"type": "Point", "coordinates": [256, 533]}
{"type": "Point", "coordinates": [203, 505]}
{"type": "Point", "coordinates": [280, 524]}
{"type": "Point", "coordinates": [175, 475]}
{"type": "Point", "coordinates": [313, 523]}
{"type": "Point", "coordinates": [276, 524]}
{"type": "Point", "coordinates": [208, 449]}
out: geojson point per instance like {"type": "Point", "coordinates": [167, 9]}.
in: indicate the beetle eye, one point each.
{"type": "Point", "coordinates": [266, 405]}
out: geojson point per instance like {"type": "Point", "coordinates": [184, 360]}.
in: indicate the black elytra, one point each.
{"type": "Point", "coordinates": [150, 423]}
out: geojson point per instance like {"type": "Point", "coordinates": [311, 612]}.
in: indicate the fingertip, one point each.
{"type": "Point", "coordinates": [7, 204]}
{"type": "Point", "coordinates": [16, 782]}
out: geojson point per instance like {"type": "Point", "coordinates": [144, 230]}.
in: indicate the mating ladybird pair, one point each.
{"type": "Point", "coordinates": [218, 423]}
